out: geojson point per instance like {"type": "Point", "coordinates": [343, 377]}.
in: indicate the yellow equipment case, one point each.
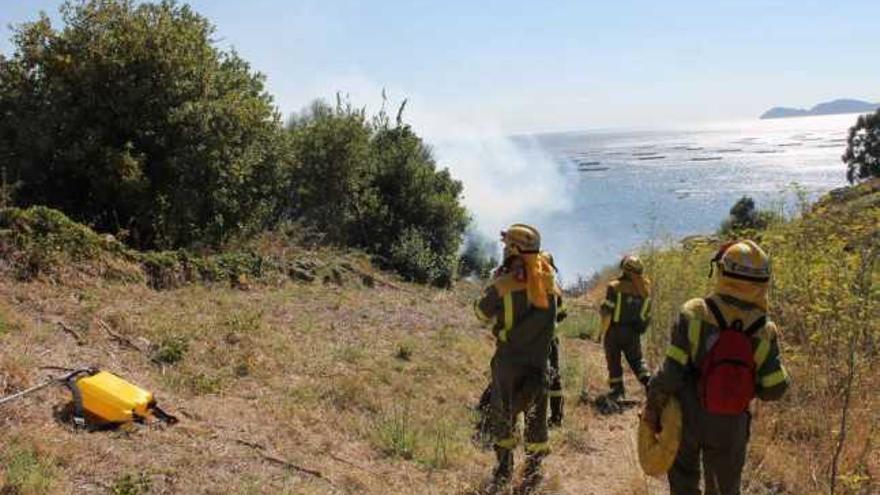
{"type": "Point", "coordinates": [108, 399]}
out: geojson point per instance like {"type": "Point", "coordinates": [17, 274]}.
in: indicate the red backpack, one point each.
{"type": "Point", "coordinates": [728, 372]}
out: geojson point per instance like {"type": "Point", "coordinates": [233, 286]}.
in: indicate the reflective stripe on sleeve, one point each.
{"type": "Point", "coordinates": [774, 378]}
{"type": "Point", "coordinates": [677, 354]}
{"type": "Point", "coordinates": [613, 381]}
{"type": "Point", "coordinates": [761, 352]}
{"type": "Point", "coordinates": [645, 308]}
{"type": "Point", "coordinates": [694, 325]}
{"type": "Point", "coordinates": [617, 305]}
{"type": "Point", "coordinates": [555, 393]}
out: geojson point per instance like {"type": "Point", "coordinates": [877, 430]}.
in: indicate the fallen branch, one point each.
{"type": "Point", "coordinates": [126, 342]}
{"type": "Point", "coordinates": [122, 339]}
{"type": "Point", "coordinates": [346, 461]}
{"type": "Point", "coordinates": [277, 460]}
{"type": "Point", "coordinates": [72, 332]}
{"type": "Point", "coordinates": [379, 280]}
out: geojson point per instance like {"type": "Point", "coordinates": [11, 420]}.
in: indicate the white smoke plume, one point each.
{"type": "Point", "coordinates": [505, 179]}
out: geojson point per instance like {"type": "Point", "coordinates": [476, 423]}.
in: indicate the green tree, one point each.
{"type": "Point", "coordinates": [375, 185]}
{"type": "Point", "coordinates": [130, 119]}
{"type": "Point", "coordinates": [330, 183]}
{"type": "Point", "coordinates": [412, 194]}
{"type": "Point", "coordinates": [745, 215]}
{"type": "Point", "coordinates": [862, 155]}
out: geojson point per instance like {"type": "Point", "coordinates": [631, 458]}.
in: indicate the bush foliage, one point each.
{"type": "Point", "coordinates": [129, 119]}
{"type": "Point", "coordinates": [745, 216]}
{"type": "Point", "coordinates": [480, 255]}
{"type": "Point", "coordinates": [374, 185]}
{"type": "Point", "coordinates": [862, 155]}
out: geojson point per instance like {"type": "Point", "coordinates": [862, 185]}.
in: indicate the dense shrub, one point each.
{"type": "Point", "coordinates": [480, 255]}
{"type": "Point", "coordinates": [862, 155]}
{"type": "Point", "coordinates": [745, 216]}
{"type": "Point", "coordinates": [374, 185]}
{"type": "Point", "coordinates": [128, 118]}
{"type": "Point", "coordinates": [329, 185]}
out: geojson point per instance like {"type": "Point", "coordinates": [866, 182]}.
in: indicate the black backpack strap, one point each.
{"type": "Point", "coordinates": [78, 416]}
{"type": "Point", "coordinates": [69, 381]}
{"type": "Point", "coordinates": [716, 312]}
{"type": "Point", "coordinates": [757, 325]}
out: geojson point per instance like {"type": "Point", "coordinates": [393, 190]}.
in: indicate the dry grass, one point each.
{"type": "Point", "coordinates": [312, 373]}
{"type": "Point", "coordinates": [372, 387]}
{"type": "Point", "coordinates": [371, 384]}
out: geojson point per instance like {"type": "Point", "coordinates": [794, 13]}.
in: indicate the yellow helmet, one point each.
{"type": "Point", "coordinates": [521, 238]}
{"type": "Point", "coordinates": [632, 264]}
{"type": "Point", "coordinates": [743, 260]}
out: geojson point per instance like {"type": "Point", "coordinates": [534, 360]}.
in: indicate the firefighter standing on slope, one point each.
{"type": "Point", "coordinates": [555, 393]}
{"type": "Point", "coordinates": [521, 305]}
{"type": "Point", "coordinates": [625, 315]}
{"type": "Point", "coordinates": [723, 352]}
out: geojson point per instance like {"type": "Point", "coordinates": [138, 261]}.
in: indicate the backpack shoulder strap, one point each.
{"type": "Point", "coordinates": [716, 312]}
{"type": "Point", "coordinates": [757, 325]}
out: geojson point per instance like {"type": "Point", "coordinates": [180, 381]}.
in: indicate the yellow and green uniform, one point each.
{"type": "Point", "coordinates": [721, 440]}
{"type": "Point", "coordinates": [627, 314]}
{"type": "Point", "coordinates": [520, 371]}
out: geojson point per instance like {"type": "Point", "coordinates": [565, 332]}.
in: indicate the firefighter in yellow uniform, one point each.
{"type": "Point", "coordinates": [723, 352]}
{"type": "Point", "coordinates": [555, 393]}
{"type": "Point", "coordinates": [625, 313]}
{"type": "Point", "coordinates": [521, 306]}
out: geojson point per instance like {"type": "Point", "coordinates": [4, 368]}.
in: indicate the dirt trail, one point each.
{"type": "Point", "coordinates": [594, 453]}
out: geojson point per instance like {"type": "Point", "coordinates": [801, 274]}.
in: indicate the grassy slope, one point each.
{"type": "Point", "coordinates": [363, 378]}
{"type": "Point", "coordinates": [370, 383]}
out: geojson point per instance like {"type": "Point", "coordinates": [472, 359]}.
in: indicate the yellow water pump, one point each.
{"type": "Point", "coordinates": [110, 399]}
{"type": "Point", "coordinates": [103, 398]}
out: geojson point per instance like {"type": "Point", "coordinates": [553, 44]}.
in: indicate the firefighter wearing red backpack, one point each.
{"type": "Point", "coordinates": [625, 315]}
{"type": "Point", "coordinates": [723, 352]}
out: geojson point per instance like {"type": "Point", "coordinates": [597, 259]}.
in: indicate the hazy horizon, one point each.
{"type": "Point", "coordinates": [521, 68]}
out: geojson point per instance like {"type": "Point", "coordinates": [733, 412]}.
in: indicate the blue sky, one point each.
{"type": "Point", "coordinates": [531, 66]}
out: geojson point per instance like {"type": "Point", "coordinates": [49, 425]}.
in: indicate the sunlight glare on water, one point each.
{"type": "Point", "coordinates": [636, 185]}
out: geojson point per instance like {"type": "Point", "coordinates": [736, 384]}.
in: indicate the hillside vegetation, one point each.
{"type": "Point", "coordinates": [826, 300]}
{"type": "Point", "coordinates": [329, 376]}
{"type": "Point", "coordinates": [130, 118]}
{"type": "Point", "coordinates": [293, 370]}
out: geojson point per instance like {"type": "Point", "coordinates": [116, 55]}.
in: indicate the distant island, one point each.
{"type": "Point", "coordinates": [827, 108]}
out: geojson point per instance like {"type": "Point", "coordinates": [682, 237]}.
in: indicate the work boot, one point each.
{"type": "Point", "coordinates": [503, 471]}
{"type": "Point", "coordinates": [556, 412]}
{"type": "Point", "coordinates": [617, 393]}
{"type": "Point", "coordinates": [532, 474]}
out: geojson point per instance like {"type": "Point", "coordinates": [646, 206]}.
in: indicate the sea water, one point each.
{"type": "Point", "coordinates": [628, 187]}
